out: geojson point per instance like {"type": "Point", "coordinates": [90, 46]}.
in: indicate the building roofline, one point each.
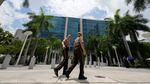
{"type": "Point", "coordinates": [77, 18]}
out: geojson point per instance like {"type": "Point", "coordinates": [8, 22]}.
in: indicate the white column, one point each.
{"type": "Point", "coordinates": [66, 27]}
{"type": "Point", "coordinates": [81, 26]}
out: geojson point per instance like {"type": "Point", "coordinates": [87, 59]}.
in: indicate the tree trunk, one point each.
{"type": "Point", "coordinates": [109, 56]}
{"type": "Point", "coordinates": [134, 39]}
{"type": "Point", "coordinates": [1, 1]}
{"type": "Point", "coordinates": [46, 55]}
{"type": "Point", "coordinates": [126, 44]}
{"type": "Point", "coordinates": [117, 57]}
{"type": "Point", "coordinates": [32, 54]}
{"type": "Point", "coordinates": [133, 36]}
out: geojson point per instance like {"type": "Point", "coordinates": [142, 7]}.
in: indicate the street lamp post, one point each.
{"type": "Point", "coordinates": [115, 48]}
{"type": "Point", "coordinates": [27, 33]}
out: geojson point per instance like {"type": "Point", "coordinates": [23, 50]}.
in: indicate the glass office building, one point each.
{"type": "Point", "coordinates": [68, 25]}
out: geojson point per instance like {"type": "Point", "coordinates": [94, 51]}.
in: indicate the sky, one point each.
{"type": "Point", "coordinates": [13, 15]}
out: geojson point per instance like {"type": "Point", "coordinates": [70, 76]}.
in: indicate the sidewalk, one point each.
{"type": "Point", "coordinates": [42, 74]}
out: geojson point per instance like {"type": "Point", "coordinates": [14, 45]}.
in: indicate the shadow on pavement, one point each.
{"type": "Point", "coordinates": [79, 81]}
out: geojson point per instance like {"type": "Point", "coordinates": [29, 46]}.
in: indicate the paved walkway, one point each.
{"type": "Point", "coordinates": [43, 74]}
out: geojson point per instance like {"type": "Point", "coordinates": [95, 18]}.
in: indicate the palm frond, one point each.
{"type": "Point", "coordinates": [1, 1]}
{"type": "Point", "coordinates": [128, 1]}
{"type": "Point", "coordinates": [26, 3]}
{"type": "Point", "coordinates": [139, 5]}
{"type": "Point", "coordinates": [143, 27]}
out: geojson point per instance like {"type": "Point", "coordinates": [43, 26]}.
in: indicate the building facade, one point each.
{"type": "Point", "coordinates": [68, 25]}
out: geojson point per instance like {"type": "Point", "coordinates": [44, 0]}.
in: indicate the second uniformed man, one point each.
{"type": "Point", "coordinates": [79, 53]}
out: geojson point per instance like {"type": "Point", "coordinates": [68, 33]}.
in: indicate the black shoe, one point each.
{"type": "Point", "coordinates": [82, 78]}
{"type": "Point", "coordinates": [56, 72]}
{"type": "Point", "coordinates": [64, 73]}
{"type": "Point", "coordinates": [67, 75]}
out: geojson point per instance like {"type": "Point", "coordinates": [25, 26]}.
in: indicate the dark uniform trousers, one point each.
{"type": "Point", "coordinates": [78, 57]}
{"type": "Point", "coordinates": [64, 62]}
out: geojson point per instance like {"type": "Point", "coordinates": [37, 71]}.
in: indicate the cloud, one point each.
{"type": "Point", "coordinates": [72, 8]}
{"type": "Point", "coordinates": [95, 13]}
{"type": "Point", "coordinates": [146, 15]}
{"type": "Point", "coordinates": [8, 16]}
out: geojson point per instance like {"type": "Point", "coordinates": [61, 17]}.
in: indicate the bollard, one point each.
{"type": "Point", "coordinates": [98, 62]}
{"type": "Point", "coordinates": [106, 62]}
{"type": "Point", "coordinates": [69, 62]}
{"type": "Point", "coordinates": [53, 62]}
{"type": "Point", "coordinates": [90, 63]}
{"type": "Point", "coordinates": [85, 62]}
{"type": "Point", "coordinates": [32, 62]}
{"type": "Point", "coordinates": [6, 62]}
{"type": "Point", "coordinates": [94, 63]}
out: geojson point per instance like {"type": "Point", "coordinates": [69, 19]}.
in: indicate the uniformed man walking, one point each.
{"type": "Point", "coordinates": [64, 63]}
{"type": "Point", "coordinates": [79, 53]}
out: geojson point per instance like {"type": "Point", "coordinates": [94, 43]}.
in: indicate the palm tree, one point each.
{"type": "Point", "coordinates": [134, 23]}
{"type": "Point", "coordinates": [1, 1]}
{"type": "Point", "coordinates": [38, 24]}
{"type": "Point", "coordinates": [55, 43]}
{"type": "Point", "coordinates": [117, 29]}
{"type": "Point", "coordinates": [1, 33]}
{"type": "Point", "coordinates": [97, 43]}
{"type": "Point", "coordinates": [122, 26]}
{"type": "Point", "coordinates": [92, 43]}
{"type": "Point", "coordinates": [26, 3]}
{"type": "Point", "coordinates": [6, 38]}
{"type": "Point", "coordinates": [139, 5]}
